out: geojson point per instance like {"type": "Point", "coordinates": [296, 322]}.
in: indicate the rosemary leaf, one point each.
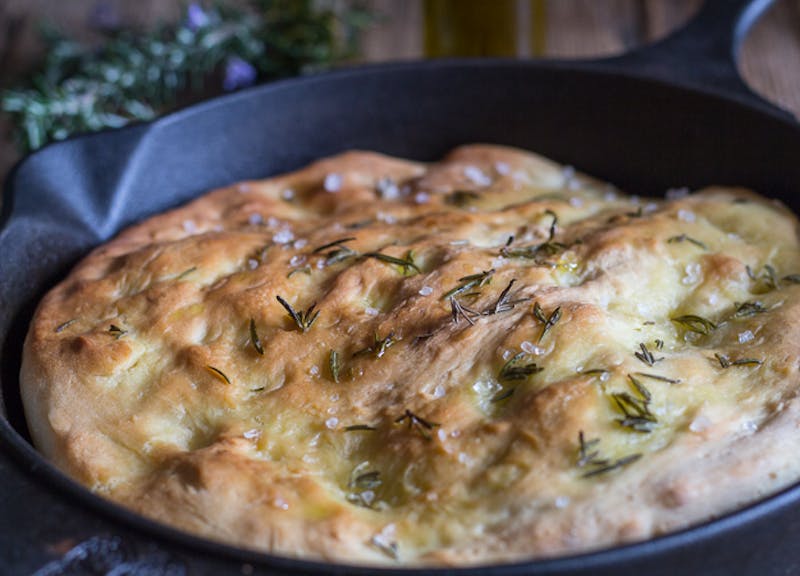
{"type": "Point", "coordinates": [469, 282]}
{"type": "Point", "coordinates": [747, 309]}
{"type": "Point", "coordinates": [646, 356]}
{"type": "Point", "coordinates": [359, 428]}
{"type": "Point", "coordinates": [685, 238]}
{"type": "Point", "coordinates": [218, 374]}
{"type": "Point", "coordinates": [333, 364]}
{"type": "Point", "coordinates": [405, 263]}
{"type": "Point", "coordinates": [695, 323]}
{"type": "Point", "coordinates": [63, 326]}
{"type": "Point", "coordinates": [254, 339]}
{"type": "Point", "coordinates": [303, 319]}
{"type": "Point", "coordinates": [515, 369]}
{"type": "Point", "coordinates": [338, 242]}
{"type": "Point", "coordinates": [658, 377]}
{"type": "Point", "coordinates": [116, 331]}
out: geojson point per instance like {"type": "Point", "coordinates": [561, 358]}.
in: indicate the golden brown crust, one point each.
{"type": "Point", "coordinates": [451, 431]}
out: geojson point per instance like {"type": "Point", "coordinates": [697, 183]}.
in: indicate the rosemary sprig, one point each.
{"type": "Point", "coordinates": [333, 244]}
{"type": "Point", "coordinates": [504, 303]}
{"type": "Point", "coordinates": [458, 311]}
{"type": "Point", "coordinates": [695, 323]}
{"type": "Point", "coordinates": [406, 263]}
{"type": "Point", "coordinates": [547, 321]}
{"type": "Point", "coordinates": [218, 374]}
{"type": "Point", "coordinates": [422, 426]}
{"type": "Point", "coordinates": [635, 407]}
{"type": "Point", "coordinates": [185, 273]}
{"type": "Point", "coordinates": [378, 347]}
{"type": "Point", "coordinates": [116, 331]}
{"type": "Point", "coordinates": [360, 428]}
{"type": "Point", "coordinates": [726, 362]}
{"type": "Point", "coordinates": [461, 198]}
{"type": "Point", "coordinates": [469, 282]}
{"type": "Point", "coordinates": [254, 339]}
{"type": "Point", "coordinates": [658, 377]}
{"type": "Point", "coordinates": [588, 456]}
{"type": "Point", "coordinates": [333, 364]}
{"type": "Point", "coordinates": [686, 238]}
{"type": "Point", "coordinates": [747, 309]}
{"type": "Point", "coordinates": [646, 356]}
{"type": "Point", "coordinates": [64, 325]}
{"type": "Point", "coordinates": [768, 277]}
{"type": "Point", "coordinates": [137, 76]}
{"type": "Point", "coordinates": [303, 319]}
{"type": "Point", "coordinates": [515, 369]}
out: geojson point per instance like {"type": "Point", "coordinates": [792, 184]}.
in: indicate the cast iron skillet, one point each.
{"type": "Point", "coordinates": [672, 114]}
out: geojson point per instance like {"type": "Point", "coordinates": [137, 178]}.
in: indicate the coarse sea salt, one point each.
{"type": "Point", "coordinates": [425, 291]}
{"type": "Point", "coordinates": [439, 391]}
{"type": "Point", "coordinates": [677, 193]}
{"type": "Point", "coordinates": [476, 176]}
{"type": "Point", "coordinates": [422, 198]}
{"type": "Point", "coordinates": [287, 194]}
{"type": "Point", "coordinates": [297, 260]}
{"type": "Point", "coordinates": [531, 348]}
{"type": "Point", "coordinates": [562, 501]}
{"type": "Point", "coordinates": [692, 276]}
{"type": "Point", "coordinates": [280, 503]}
{"type": "Point", "coordinates": [502, 168]}
{"type": "Point", "coordinates": [251, 434]}
{"type": "Point", "coordinates": [370, 311]}
{"type": "Point", "coordinates": [189, 226]}
{"type": "Point", "coordinates": [331, 423]}
{"type": "Point", "coordinates": [745, 337]}
{"type": "Point", "coordinates": [333, 182]}
{"type": "Point", "coordinates": [686, 215]}
{"type": "Point", "coordinates": [387, 188]}
{"type": "Point", "coordinates": [701, 423]}
{"type": "Point", "coordinates": [283, 236]}
{"type": "Point", "coordinates": [252, 263]}
{"type": "Point", "coordinates": [299, 244]}
{"type": "Point", "coordinates": [255, 219]}
{"type": "Point", "coordinates": [314, 370]}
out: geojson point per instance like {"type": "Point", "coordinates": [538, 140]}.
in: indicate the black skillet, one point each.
{"type": "Point", "coordinates": [672, 114]}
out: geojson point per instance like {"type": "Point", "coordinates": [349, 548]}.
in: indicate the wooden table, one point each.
{"type": "Point", "coordinates": [770, 58]}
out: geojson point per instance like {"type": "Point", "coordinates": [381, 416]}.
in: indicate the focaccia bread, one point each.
{"type": "Point", "coordinates": [371, 360]}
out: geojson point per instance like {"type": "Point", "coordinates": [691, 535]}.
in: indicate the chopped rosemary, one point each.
{"type": "Point", "coordinates": [218, 374]}
{"type": "Point", "coordinates": [515, 370]}
{"type": "Point", "coordinates": [504, 303]}
{"type": "Point", "coordinates": [613, 465]}
{"type": "Point", "coordinates": [726, 362]}
{"type": "Point", "coordinates": [333, 364]}
{"type": "Point", "coordinates": [588, 456]}
{"type": "Point", "coordinates": [635, 407]}
{"type": "Point", "coordinates": [338, 242]}
{"type": "Point", "coordinates": [747, 309]}
{"type": "Point", "coordinates": [658, 377]}
{"type": "Point", "coordinates": [646, 356]}
{"type": "Point", "coordinates": [367, 480]}
{"type": "Point", "coordinates": [695, 323]}
{"type": "Point", "coordinates": [379, 346]}
{"type": "Point", "coordinates": [549, 321]}
{"type": "Point", "coordinates": [461, 198]}
{"type": "Point", "coordinates": [659, 344]}
{"type": "Point", "coordinates": [360, 428]}
{"type": "Point", "coordinates": [116, 331]}
{"type": "Point", "coordinates": [768, 276]}
{"type": "Point", "coordinates": [303, 319]}
{"type": "Point", "coordinates": [185, 273]}
{"type": "Point", "coordinates": [259, 389]}
{"type": "Point", "coordinates": [595, 372]}
{"type": "Point", "coordinates": [469, 282]}
{"type": "Point", "coordinates": [65, 325]}
{"type": "Point", "coordinates": [254, 339]}
{"type": "Point", "coordinates": [502, 395]}
{"type": "Point", "coordinates": [417, 422]}
{"type": "Point", "coordinates": [686, 238]}
{"type": "Point", "coordinates": [458, 310]}
{"type": "Point", "coordinates": [405, 263]}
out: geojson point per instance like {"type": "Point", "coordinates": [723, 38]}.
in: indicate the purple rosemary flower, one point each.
{"type": "Point", "coordinates": [196, 17]}
{"type": "Point", "coordinates": [238, 74]}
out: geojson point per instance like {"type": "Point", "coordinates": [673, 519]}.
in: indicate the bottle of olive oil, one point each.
{"type": "Point", "coordinates": [475, 28]}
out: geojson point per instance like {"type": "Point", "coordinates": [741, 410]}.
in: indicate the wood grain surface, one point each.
{"type": "Point", "coordinates": [769, 60]}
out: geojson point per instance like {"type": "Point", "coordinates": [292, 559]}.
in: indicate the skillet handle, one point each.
{"type": "Point", "coordinates": [703, 54]}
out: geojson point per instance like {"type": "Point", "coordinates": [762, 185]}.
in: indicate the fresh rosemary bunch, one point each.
{"type": "Point", "coordinates": [137, 76]}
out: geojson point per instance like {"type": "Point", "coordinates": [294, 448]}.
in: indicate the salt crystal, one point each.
{"type": "Point", "coordinates": [439, 391]}
{"type": "Point", "coordinates": [250, 434]}
{"type": "Point", "coordinates": [332, 423]}
{"type": "Point", "coordinates": [425, 291]}
{"type": "Point", "coordinates": [562, 501]}
{"type": "Point", "coordinates": [650, 207]}
{"type": "Point", "coordinates": [464, 458]}
{"type": "Point", "coordinates": [387, 188]}
{"type": "Point", "coordinates": [701, 423]}
{"type": "Point", "coordinates": [243, 188]}
{"type": "Point", "coordinates": [297, 260]}
{"type": "Point", "coordinates": [441, 434]}
{"type": "Point", "coordinates": [746, 336]}
{"type": "Point", "coordinates": [422, 198]}
{"type": "Point", "coordinates": [476, 176]}
{"type": "Point", "coordinates": [692, 274]}
{"type": "Point", "coordinates": [367, 496]}
{"type": "Point", "coordinates": [189, 226]}
{"type": "Point", "coordinates": [384, 217]}
{"type": "Point", "coordinates": [314, 370]}
{"type": "Point", "coordinates": [280, 503]}
{"type": "Point", "coordinates": [370, 311]}
{"type": "Point", "coordinates": [502, 168]}
{"type": "Point", "coordinates": [252, 263]}
{"type": "Point", "coordinates": [531, 348]}
{"type": "Point", "coordinates": [300, 244]}
{"type": "Point", "coordinates": [686, 215]}
{"type": "Point", "coordinates": [750, 426]}
{"type": "Point", "coordinates": [610, 196]}
{"type": "Point", "coordinates": [283, 236]}
{"type": "Point", "coordinates": [333, 182]}
{"type": "Point", "coordinates": [255, 219]}
{"type": "Point", "coordinates": [335, 397]}
{"type": "Point", "coordinates": [273, 222]}
{"type": "Point", "coordinates": [287, 194]}
{"type": "Point", "coordinates": [605, 376]}
{"type": "Point", "coordinates": [507, 354]}
{"type": "Point", "coordinates": [576, 202]}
